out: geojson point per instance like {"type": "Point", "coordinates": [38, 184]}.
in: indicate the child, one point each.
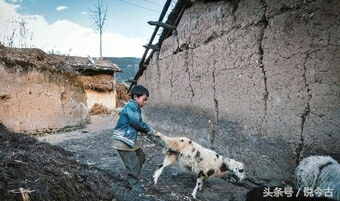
{"type": "Point", "coordinates": [125, 134]}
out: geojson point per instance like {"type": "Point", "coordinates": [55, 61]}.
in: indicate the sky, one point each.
{"type": "Point", "coordinates": [65, 27]}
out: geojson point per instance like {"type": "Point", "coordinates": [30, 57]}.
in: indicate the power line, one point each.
{"type": "Point", "coordinates": [139, 6]}
{"type": "Point", "coordinates": [152, 3]}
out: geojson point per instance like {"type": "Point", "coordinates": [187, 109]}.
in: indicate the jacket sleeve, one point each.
{"type": "Point", "coordinates": [136, 121]}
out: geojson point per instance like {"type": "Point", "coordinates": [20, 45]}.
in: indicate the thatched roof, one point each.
{"type": "Point", "coordinates": [27, 59]}
{"type": "Point", "coordinates": [93, 66]}
{"type": "Point", "coordinates": [100, 82]}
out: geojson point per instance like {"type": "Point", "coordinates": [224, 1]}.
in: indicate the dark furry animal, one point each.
{"type": "Point", "coordinates": [319, 172]}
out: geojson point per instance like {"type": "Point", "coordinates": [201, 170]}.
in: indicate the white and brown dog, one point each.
{"type": "Point", "coordinates": [202, 161]}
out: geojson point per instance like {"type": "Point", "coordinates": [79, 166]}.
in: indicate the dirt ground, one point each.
{"type": "Point", "coordinates": [82, 165]}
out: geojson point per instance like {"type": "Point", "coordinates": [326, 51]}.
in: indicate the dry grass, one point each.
{"type": "Point", "coordinates": [99, 109]}
{"type": "Point", "coordinates": [101, 83]}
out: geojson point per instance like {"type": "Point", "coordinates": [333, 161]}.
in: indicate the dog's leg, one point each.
{"type": "Point", "coordinates": [168, 160]}
{"type": "Point", "coordinates": [199, 183]}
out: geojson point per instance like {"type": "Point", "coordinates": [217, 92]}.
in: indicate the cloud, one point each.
{"type": "Point", "coordinates": [84, 13]}
{"type": "Point", "coordinates": [62, 38]}
{"type": "Point", "coordinates": [65, 37]}
{"type": "Point", "coordinates": [59, 8]}
{"type": "Point", "coordinates": [8, 15]}
{"type": "Point", "coordinates": [15, 1]}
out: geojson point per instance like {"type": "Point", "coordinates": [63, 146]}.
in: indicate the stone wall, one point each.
{"type": "Point", "coordinates": [255, 80]}
{"type": "Point", "coordinates": [36, 97]}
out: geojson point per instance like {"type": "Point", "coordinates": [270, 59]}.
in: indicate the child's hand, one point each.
{"type": "Point", "coordinates": [151, 132]}
{"type": "Point", "coordinates": [157, 140]}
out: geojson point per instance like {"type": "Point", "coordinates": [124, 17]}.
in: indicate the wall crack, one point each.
{"type": "Point", "coordinates": [214, 123]}
{"type": "Point", "coordinates": [303, 115]}
{"type": "Point", "coordinates": [187, 70]}
{"type": "Point", "coordinates": [263, 23]}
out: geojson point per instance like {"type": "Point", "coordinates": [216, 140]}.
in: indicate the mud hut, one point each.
{"type": "Point", "coordinates": [99, 80]}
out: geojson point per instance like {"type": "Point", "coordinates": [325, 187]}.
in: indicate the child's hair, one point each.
{"type": "Point", "coordinates": [139, 91]}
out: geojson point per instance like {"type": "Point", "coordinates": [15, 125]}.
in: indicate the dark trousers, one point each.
{"type": "Point", "coordinates": [133, 161]}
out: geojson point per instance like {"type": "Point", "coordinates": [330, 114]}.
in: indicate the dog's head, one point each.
{"type": "Point", "coordinates": [235, 167]}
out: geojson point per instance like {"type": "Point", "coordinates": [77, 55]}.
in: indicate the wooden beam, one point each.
{"type": "Point", "coordinates": [161, 24]}
{"type": "Point", "coordinates": [153, 47]}
{"type": "Point", "coordinates": [164, 11]}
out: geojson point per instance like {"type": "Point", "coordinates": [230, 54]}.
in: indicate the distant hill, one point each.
{"type": "Point", "coordinates": [129, 65]}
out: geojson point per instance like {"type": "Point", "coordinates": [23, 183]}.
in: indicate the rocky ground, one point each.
{"type": "Point", "coordinates": [82, 165]}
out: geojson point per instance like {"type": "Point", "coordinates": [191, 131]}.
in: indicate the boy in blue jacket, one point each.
{"type": "Point", "coordinates": [125, 136]}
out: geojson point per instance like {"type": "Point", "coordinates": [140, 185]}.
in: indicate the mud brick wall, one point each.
{"type": "Point", "coordinates": [255, 80]}
{"type": "Point", "coordinates": [36, 97]}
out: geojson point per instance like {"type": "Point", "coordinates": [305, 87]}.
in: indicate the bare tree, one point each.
{"type": "Point", "coordinates": [10, 39]}
{"type": "Point", "coordinates": [99, 15]}
{"type": "Point", "coordinates": [20, 35]}
{"type": "Point", "coordinates": [23, 32]}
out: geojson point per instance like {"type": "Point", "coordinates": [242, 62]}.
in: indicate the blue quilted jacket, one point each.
{"type": "Point", "coordinates": [130, 123]}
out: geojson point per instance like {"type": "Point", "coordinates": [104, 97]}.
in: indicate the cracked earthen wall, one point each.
{"type": "Point", "coordinates": [40, 101]}
{"type": "Point", "coordinates": [255, 80]}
